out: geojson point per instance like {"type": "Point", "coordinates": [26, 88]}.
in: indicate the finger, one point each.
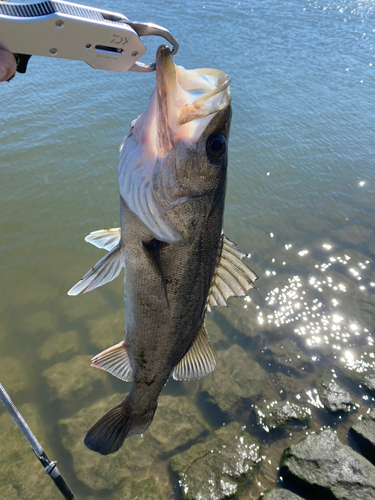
{"type": "Point", "coordinates": [8, 65]}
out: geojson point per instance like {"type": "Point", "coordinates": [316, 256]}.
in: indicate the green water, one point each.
{"type": "Point", "coordinates": [300, 199]}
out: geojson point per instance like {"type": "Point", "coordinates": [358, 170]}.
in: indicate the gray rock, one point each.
{"type": "Point", "coordinates": [353, 234]}
{"type": "Point", "coordinates": [107, 330]}
{"type": "Point", "coordinates": [74, 380]}
{"type": "Point", "coordinates": [21, 474]}
{"type": "Point", "coordinates": [364, 433]}
{"type": "Point", "coordinates": [60, 343]}
{"type": "Point", "coordinates": [364, 373]}
{"type": "Point", "coordinates": [212, 470]}
{"type": "Point", "coordinates": [278, 413]}
{"type": "Point", "coordinates": [215, 332]}
{"type": "Point", "coordinates": [142, 490]}
{"type": "Point", "coordinates": [40, 323]}
{"type": "Point", "coordinates": [236, 378]}
{"type": "Point", "coordinates": [286, 354]}
{"type": "Point", "coordinates": [92, 305]}
{"type": "Point", "coordinates": [334, 397]}
{"type": "Point", "coordinates": [177, 422]}
{"type": "Point", "coordinates": [322, 466]}
{"type": "Point", "coordinates": [280, 494]}
{"type": "Point", "coordinates": [368, 380]}
{"type": "Point", "coordinates": [96, 471]}
{"type": "Point", "coordinates": [13, 375]}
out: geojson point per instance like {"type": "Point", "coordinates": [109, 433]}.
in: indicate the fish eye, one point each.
{"type": "Point", "coordinates": [216, 146]}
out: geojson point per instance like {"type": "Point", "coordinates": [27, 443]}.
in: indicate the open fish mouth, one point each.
{"type": "Point", "coordinates": [188, 99]}
{"type": "Point", "coordinates": [180, 109]}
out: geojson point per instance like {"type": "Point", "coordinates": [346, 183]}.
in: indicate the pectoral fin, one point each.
{"type": "Point", "coordinates": [199, 361]}
{"type": "Point", "coordinates": [115, 360]}
{"type": "Point", "coordinates": [232, 277]}
{"type": "Point", "coordinates": [105, 270]}
{"type": "Point", "coordinates": [105, 238]}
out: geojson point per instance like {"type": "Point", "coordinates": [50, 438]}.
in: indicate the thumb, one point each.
{"type": "Point", "coordinates": [8, 65]}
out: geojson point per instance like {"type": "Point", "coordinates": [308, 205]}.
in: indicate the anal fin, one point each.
{"type": "Point", "coordinates": [232, 276]}
{"type": "Point", "coordinates": [116, 361]}
{"type": "Point", "coordinates": [199, 361]}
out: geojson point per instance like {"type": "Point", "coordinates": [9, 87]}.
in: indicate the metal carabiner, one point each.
{"type": "Point", "coordinates": [150, 29]}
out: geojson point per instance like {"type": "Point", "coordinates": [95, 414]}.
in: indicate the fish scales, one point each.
{"type": "Point", "coordinates": [151, 326]}
{"type": "Point", "coordinates": [178, 265]}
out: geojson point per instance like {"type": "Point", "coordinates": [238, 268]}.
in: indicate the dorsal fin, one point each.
{"type": "Point", "coordinates": [116, 361]}
{"type": "Point", "coordinates": [105, 238]}
{"type": "Point", "coordinates": [105, 270]}
{"type": "Point", "coordinates": [232, 277]}
{"type": "Point", "coordinates": [199, 361]}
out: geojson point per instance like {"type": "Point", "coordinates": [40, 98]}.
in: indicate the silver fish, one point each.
{"type": "Point", "coordinates": [172, 177]}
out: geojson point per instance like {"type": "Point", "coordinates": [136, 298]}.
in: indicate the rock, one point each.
{"type": "Point", "coordinates": [142, 490]}
{"type": "Point", "coordinates": [322, 466]}
{"type": "Point", "coordinates": [368, 380]}
{"type": "Point", "coordinates": [96, 471]}
{"type": "Point", "coordinates": [362, 370]}
{"type": "Point", "coordinates": [236, 378]}
{"type": "Point", "coordinates": [212, 469]}
{"type": "Point", "coordinates": [59, 344]}
{"type": "Point", "coordinates": [21, 474]}
{"type": "Point", "coordinates": [107, 330]}
{"type": "Point", "coordinates": [13, 375]}
{"type": "Point", "coordinates": [278, 413]}
{"type": "Point", "coordinates": [280, 494]}
{"type": "Point", "coordinates": [92, 305]}
{"type": "Point", "coordinates": [353, 234]}
{"type": "Point", "coordinates": [288, 355]}
{"type": "Point", "coordinates": [215, 332]}
{"type": "Point", "coordinates": [75, 380]}
{"type": "Point", "coordinates": [334, 397]}
{"type": "Point", "coordinates": [364, 433]}
{"type": "Point", "coordinates": [40, 323]}
{"type": "Point", "coordinates": [177, 422]}
{"type": "Point", "coordinates": [283, 383]}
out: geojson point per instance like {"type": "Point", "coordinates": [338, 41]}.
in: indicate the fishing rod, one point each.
{"type": "Point", "coordinates": [49, 466]}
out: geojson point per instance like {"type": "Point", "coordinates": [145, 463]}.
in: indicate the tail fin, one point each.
{"type": "Point", "coordinates": [109, 433]}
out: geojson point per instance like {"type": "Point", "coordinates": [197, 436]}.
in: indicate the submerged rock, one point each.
{"type": "Point", "coordinates": [278, 413]}
{"type": "Point", "coordinates": [60, 343]}
{"type": "Point", "coordinates": [333, 397]}
{"type": "Point", "coordinates": [286, 354]}
{"type": "Point", "coordinates": [213, 469]}
{"type": "Point", "coordinates": [40, 323]}
{"type": "Point", "coordinates": [13, 376]}
{"type": "Point", "coordinates": [107, 330]}
{"type": "Point", "coordinates": [236, 378]}
{"type": "Point", "coordinates": [322, 466]}
{"type": "Point", "coordinates": [74, 380]}
{"type": "Point", "coordinates": [97, 471]}
{"type": "Point", "coordinates": [146, 489]}
{"type": "Point", "coordinates": [279, 494]}
{"type": "Point", "coordinates": [21, 474]}
{"type": "Point", "coordinates": [176, 423]}
{"type": "Point", "coordinates": [364, 433]}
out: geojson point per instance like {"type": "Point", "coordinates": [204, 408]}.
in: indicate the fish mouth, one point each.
{"type": "Point", "coordinates": [187, 99]}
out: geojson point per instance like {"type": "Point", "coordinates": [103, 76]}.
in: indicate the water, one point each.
{"type": "Point", "coordinates": [300, 200]}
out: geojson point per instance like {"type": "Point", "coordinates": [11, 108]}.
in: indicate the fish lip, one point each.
{"type": "Point", "coordinates": [165, 86]}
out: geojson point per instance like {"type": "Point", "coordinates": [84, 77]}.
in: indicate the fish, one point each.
{"type": "Point", "coordinates": [172, 175]}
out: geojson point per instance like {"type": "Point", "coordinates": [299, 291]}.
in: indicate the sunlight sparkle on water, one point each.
{"type": "Point", "coordinates": [315, 306]}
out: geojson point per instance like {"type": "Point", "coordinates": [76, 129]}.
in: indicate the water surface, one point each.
{"type": "Point", "coordinates": [300, 199]}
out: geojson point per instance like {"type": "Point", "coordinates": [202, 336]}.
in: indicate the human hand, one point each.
{"type": "Point", "coordinates": [8, 65]}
